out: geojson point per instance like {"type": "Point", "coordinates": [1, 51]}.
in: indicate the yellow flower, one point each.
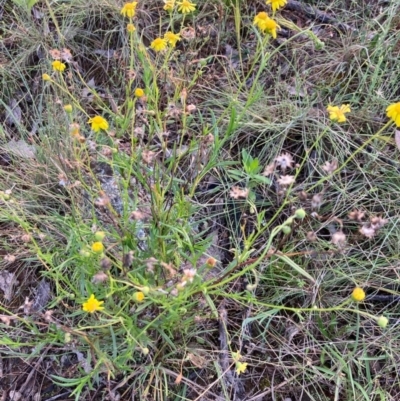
{"type": "Point", "coordinates": [393, 112]}
{"type": "Point", "coordinates": [169, 5]}
{"type": "Point", "coordinates": [97, 247]}
{"type": "Point", "coordinates": [266, 24]}
{"type": "Point", "coordinates": [158, 44]}
{"type": "Point", "coordinates": [186, 7]}
{"type": "Point", "coordinates": [46, 77]}
{"type": "Point", "coordinates": [129, 9]}
{"type": "Point", "coordinates": [139, 92]}
{"type": "Point", "coordinates": [58, 65]}
{"type": "Point", "coordinates": [138, 296]}
{"type": "Point", "coordinates": [98, 123]}
{"type": "Point", "coordinates": [241, 367]}
{"type": "Point", "coordinates": [92, 305]}
{"type": "Point", "coordinates": [358, 294]}
{"type": "Point", "coordinates": [130, 28]}
{"type": "Point", "coordinates": [172, 38]}
{"type": "Point", "coordinates": [276, 4]}
{"type": "Point", "coordinates": [338, 113]}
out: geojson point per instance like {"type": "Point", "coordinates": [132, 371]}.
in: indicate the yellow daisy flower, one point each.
{"type": "Point", "coordinates": [358, 294]}
{"type": "Point", "coordinates": [92, 305]}
{"type": "Point", "coordinates": [158, 44]}
{"type": "Point", "coordinates": [169, 5]}
{"type": "Point", "coordinates": [129, 9]}
{"type": "Point", "coordinates": [266, 24]}
{"type": "Point", "coordinates": [98, 123]}
{"type": "Point", "coordinates": [393, 112]}
{"type": "Point", "coordinates": [172, 38]}
{"type": "Point", "coordinates": [276, 4]}
{"type": "Point", "coordinates": [186, 7]}
{"type": "Point", "coordinates": [338, 113]}
{"type": "Point", "coordinates": [58, 65]}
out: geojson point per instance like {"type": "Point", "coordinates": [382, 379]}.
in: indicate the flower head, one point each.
{"type": "Point", "coordinates": [58, 65]}
{"type": "Point", "coordinates": [172, 38]}
{"type": "Point", "coordinates": [276, 4]}
{"type": "Point", "coordinates": [98, 123]}
{"type": "Point", "coordinates": [393, 112]}
{"type": "Point", "coordinates": [338, 113]}
{"type": "Point", "coordinates": [382, 321]}
{"type": "Point", "coordinates": [266, 24]}
{"type": "Point", "coordinates": [186, 7]}
{"type": "Point", "coordinates": [68, 108]}
{"type": "Point", "coordinates": [97, 247]}
{"type": "Point", "coordinates": [241, 367]}
{"type": "Point", "coordinates": [46, 77]}
{"type": "Point", "coordinates": [169, 5]}
{"type": "Point", "coordinates": [158, 44]}
{"type": "Point", "coordinates": [139, 92]}
{"type": "Point", "coordinates": [138, 296]}
{"type": "Point", "coordinates": [92, 305]}
{"type": "Point", "coordinates": [358, 294]}
{"type": "Point", "coordinates": [130, 28]}
{"type": "Point", "coordinates": [129, 9]}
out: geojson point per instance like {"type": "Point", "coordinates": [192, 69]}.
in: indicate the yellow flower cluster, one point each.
{"type": "Point", "coordinates": [266, 24]}
{"type": "Point", "coordinates": [160, 44]}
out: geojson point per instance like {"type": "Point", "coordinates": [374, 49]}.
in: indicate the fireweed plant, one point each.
{"type": "Point", "coordinates": [135, 276]}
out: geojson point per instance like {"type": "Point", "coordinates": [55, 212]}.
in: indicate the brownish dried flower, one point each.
{"type": "Point", "coordinates": [269, 169]}
{"type": "Point", "coordinates": [239, 193]}
{"type": "Point", "coordinates": [330, 167]}
{"type": "Point", "coordinates": [339, 239]}
{"type": "Point", "coordinates": [367, 231]}
{"type": "Point", "coordinates": [286, 180]}
{"type": "Point", "coordinates": [284, 161]}
{"type": "Point", "coordinates": [357, 215]}
{"type": "Point", "coordinates": [311, 236]}
{"type": "Point", "coordinates": [148, 156]}
{"type": "Point", "coordinates": [99, 277]}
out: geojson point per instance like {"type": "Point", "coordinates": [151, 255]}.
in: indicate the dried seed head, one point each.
{"type": "Point", "coordinates": [377, 222]}
{"type": "Point", "coordinates": [316, 201]}
{"type": "Point", "coordinates": [148, 156]}
{"type": "Point", "coordinates": [284, 161]}
{"type": "Point", "coordinates": [286, 180]}
{"type": "Point", "coordinates": [339, 239]}
{"type": "Point", "coordinates": [239, 193]}
{"type": "Point", "coordinates": [269, 169]}
{"type": "Point", "coordinates": [330, 167]}
{"type": "Point", "coordinates": [367, 231]}
{"type": "Point", "coordinates": [311, 236]}
{"type": "Point", "coordinates": [357, 215]}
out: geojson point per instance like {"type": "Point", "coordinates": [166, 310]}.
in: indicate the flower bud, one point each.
{"type": "Point", "coordinates": [286, 230]}
{"type": "Point", "coordinates": [99, 235]}
{"type": "Point", "coordinates": [358, 294]}
{"type": "Point", "coordinates": [68, 108]}
{"type": "Point", "coordinates": [46, 77]}
{"type": "Point", "coordinates": [382, 321]}
{"type": "Point", "coordinates": [300, 214]}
